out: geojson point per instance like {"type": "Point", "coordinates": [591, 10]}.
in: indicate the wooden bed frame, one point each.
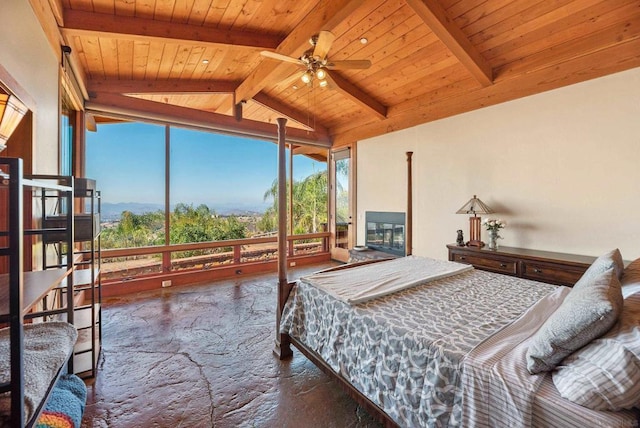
{"type": "Point", "coordinates": [283, 351]}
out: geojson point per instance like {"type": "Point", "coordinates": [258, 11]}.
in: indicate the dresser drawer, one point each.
{"type": "Point", "coordinates": [543, 266]}
{"type": "Point", "coordinates": [551, 273]}
{"type": "Point", "coordinates": [494, 265]}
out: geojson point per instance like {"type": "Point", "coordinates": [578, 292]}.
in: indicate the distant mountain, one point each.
{"type": "Point", "coordinates": [113, 211]}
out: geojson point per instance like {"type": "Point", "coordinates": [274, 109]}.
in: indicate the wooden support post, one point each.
{"type": "Point", "coordinates": [409, 226]}
{"type": "Point", "coordinates": [282, 347]}
{"type": "Point", "coordinates": [166, 255]}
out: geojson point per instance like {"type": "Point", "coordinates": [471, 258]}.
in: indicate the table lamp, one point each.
{"type": "Point", "coordinates": [475, 206]}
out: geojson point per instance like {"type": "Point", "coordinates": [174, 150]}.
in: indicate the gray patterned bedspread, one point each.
{"type": "Point", "coordinates": [405, 351]}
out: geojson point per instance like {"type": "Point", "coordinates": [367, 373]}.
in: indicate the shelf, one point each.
{"type": "Point", "coordinates": [86, 227]}
{"type": "Point", "coordinates": [45, 185]}
{"type": "Point", "coordinates": [36, 286]}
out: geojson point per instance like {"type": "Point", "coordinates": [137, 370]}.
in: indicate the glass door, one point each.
{"type": "Point", "coordinates": [342, 226]}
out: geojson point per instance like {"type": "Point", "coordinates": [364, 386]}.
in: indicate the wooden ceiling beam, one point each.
{"type": "Point", "coordinates": [49, 14]}
{"type": "Point", "coordinates": [122, 106]}
{"type": "Point", "coordinates": [309, 150]}
{"type": "Point", "coordinates": [58, 11]}
{"type": "Point", "coordinates": [46, 17]}
{"type": "Point", "coordinates": [325, 16]}
{"type": "Point", "coordinates": [357, 95]}
{"type": "Point", "coordinates": [317, 153]}
{"type": "Point", "coordinates": [436, 18]}
{"type": "Point", "coordinates": [171, 86]}
{"type": "Point", "coordinates": [426, 109]}
{"type": "Point", "coordinates": [286, 111]}
{"type": "Point", "coordinates": [80, 23]}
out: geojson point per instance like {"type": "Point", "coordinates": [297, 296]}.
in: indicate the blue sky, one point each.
{"type": "Point", "coordinates": [127, 161]}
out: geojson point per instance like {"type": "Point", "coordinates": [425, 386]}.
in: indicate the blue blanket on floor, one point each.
{"type": "Point", "coordinates": [65, 405]}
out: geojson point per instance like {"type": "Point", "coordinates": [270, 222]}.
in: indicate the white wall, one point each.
{"type": "Point", "coordinates": [562, 168]}
{"type": "Point", "coordinates": [28, 57]}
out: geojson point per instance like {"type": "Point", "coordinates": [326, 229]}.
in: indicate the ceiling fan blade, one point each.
{"type": "Point", "coordinates": [323, 44]}
{"type": "Point", "coordinates": [279, 57]}
{"type": "Point", "coordinates": [291, 80]}
{"type": "Point", "coordinates": [347, 64]}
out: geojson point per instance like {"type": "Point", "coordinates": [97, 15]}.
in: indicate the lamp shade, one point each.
{"type": "Point", "coordinates": [475, 206]}
{"type": "Point", "coordinates": [11, 113]}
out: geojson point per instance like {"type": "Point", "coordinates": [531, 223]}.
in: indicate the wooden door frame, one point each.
{"type": "Point", "coordinates": [339, 253]}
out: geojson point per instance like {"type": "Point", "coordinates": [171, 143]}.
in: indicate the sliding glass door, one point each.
{"type": "Point", "coordinates": [342, 224]}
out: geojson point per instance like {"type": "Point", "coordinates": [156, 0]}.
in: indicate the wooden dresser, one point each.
{"type": "Point", "coordinates": [544, 266]}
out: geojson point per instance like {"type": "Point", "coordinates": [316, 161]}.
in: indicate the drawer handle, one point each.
{"type": "Point", "coordinates": [537, 270]}
{"type": "Point", "coordinates": [463, 258]}
{"type": "Point", "coordinates": [502, 265]}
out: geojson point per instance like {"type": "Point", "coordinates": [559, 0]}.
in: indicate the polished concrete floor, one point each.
{"type": "Point", "coordinates": [201, 356]}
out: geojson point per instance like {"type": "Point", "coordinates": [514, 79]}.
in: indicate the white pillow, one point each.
{"type": "Point", "coordinates": [586, 313]}
{"type": "Point", "coordinates": [605, 374]}
{"type": "Point", "coordinates": [611, 260]}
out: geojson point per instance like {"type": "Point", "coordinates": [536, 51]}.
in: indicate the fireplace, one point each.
{"type": "Point", "coordinates": [386, 232]}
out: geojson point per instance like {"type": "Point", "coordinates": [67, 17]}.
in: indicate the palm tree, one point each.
{"type": "Point", "coordinates": [309, 204]}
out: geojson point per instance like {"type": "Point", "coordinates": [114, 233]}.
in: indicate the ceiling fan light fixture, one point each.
{"type": "Point", "coordinates": [322, 83]}
{"type": "Point", "coordinates": [321, 74]}
{"type": "Point", "coordinates": [307, 77]}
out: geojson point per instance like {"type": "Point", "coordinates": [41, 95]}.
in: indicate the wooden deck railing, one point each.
{"type": "Point", "coordinates": [250, 255]}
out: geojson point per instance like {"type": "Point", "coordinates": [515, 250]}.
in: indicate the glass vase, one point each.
{"type": "Point", "coordinates": [493, 240]}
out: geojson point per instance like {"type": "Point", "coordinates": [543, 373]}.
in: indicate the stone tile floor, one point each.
{"type": "Point", "coordinates": [201, 356]}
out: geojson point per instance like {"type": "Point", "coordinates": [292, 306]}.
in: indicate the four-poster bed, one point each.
{"type": "Point", "coordinates": [455, 350]}
{"type": "Point", "coordinates": [422, 342]}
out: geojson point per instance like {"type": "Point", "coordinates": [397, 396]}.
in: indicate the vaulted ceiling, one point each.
{"type": "Point", "coordinates": [199, 61]}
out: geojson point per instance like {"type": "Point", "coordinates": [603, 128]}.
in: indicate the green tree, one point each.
{"type": "Point", "coordinates": [309, 205]}
{"type": "Point", "coordinates": [202, 224]}
{"type": "Point", "coordinates": [135, 230]}
{"type": "Point", "coordinates": [188, 224]}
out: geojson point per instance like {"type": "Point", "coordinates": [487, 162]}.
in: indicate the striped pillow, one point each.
{"type": "Point", "coordinates": [605, 374]}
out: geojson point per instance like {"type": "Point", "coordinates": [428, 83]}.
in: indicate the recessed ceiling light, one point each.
{"type": "Point", "coordinates": [205, 61]}
{"type": "Point", "coordinates": [364, 40]}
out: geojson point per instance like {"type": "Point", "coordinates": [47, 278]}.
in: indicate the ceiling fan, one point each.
{"type": "Point", "coordinates": [315, 62]}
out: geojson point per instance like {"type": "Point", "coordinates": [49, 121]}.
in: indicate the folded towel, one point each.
{"type": "Point", "coordinates": [362, 283]}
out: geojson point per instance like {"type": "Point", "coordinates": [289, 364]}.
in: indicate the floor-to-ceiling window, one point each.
{"type": "Point", "coordinates": [165, 185]}
{"type": "Point", "coordinates": [217, 188]}
{"type": "Point", "coordinates": [127, 160]}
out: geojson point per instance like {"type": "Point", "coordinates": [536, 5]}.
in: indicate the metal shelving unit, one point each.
{"type": "Point", "coordinates": [22, 293]}
{"type": "Point", "coordinates": [86, 258]}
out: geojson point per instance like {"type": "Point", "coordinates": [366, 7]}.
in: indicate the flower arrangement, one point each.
{"type": "Point", "coordinates": [494, 225]}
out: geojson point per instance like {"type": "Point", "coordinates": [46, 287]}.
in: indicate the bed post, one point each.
{"type": "Point", "coordinates": [282, 347]}
{"type": "Point", "coordinates": [409, 226]}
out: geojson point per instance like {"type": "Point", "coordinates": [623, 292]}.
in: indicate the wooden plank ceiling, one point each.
{"type": "Point", "coordinates": [199, 61]}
